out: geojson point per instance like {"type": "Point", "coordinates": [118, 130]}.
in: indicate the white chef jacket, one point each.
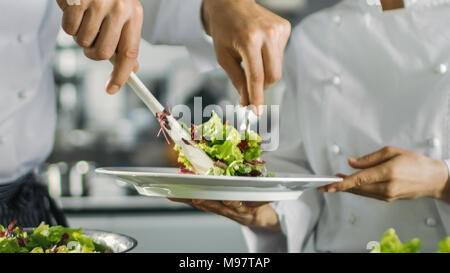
{"type": "Point", "coordinates": [359, 79]}
{"type": "Point", "coordinates": [28, 31]}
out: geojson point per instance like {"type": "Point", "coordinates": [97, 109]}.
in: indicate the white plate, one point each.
{"type": "Point", "coordinates": [165, 182]}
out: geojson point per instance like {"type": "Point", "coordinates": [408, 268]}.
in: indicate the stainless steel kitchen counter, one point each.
{"type": "Point", "coordinates": [119, 203]}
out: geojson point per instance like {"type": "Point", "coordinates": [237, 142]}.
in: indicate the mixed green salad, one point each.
{"type": "Point", "coordinates": [46, 239]}
{"type": "Point", "coordinates": [391, 243]}
{"type": "Point", "coordinates": [234, 153]}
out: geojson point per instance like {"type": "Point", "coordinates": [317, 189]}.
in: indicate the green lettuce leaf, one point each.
{"type": "Point", "coordinates": [223, 143]}
{"type": "Point", "coordinates": [45, 237]}
{"type": "Point", "coordinates": [252, 153]}
{"type": "Point", "coordinates": [444, 246]}
{"type": "Point", "coordinates": [391, 243]}
{"type": "Point", "coordinates": [227, 151]}
{"type": "Point", "coordinates": [182, 158]}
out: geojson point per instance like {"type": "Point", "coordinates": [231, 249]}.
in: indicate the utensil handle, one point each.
{"type": "Point", "coordinates": [142, 92]}
{"type": "Point", "coordinates": [146, 96]}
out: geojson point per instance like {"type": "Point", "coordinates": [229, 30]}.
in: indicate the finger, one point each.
{"type": "Point", "coordinates": [323, 189]}
{"type": "Point", "coordinates": [233, 68]}
{"type": "Point", "coordinates": [364, 177]}
{"type": "Point", "coordinates": [254, 73]}
{"type": "Point", "coordinates": [255, 204]}
{"type": "Point", "coordinates": [136, 67]}
{"type": "Point", "coordinates": [89, 28]}
{"type": "Point", "coordinates": [376, 191]}
{"type": "Point", "coordinates": [72, 17]}
{"type": "Point", "coordinates": [197, 201]}
{"type": "Point", "coordinates": [62, 4]}
{"type": "Point", "coordinates": [216, 207]}
{"type": "Point", "coordinates": [180, 200]}
{"type": "Point", "coordinates": [107, 40]}
{"type": "Point", "coordinates": [365, 194]}
{"type": "Point", "coordinates": [272, 59]}
{"type": "Point", "coordinates": [127, 53]}
{"type": "Point", "coordinates": [240, 215]}
{"type": "Point", "coordinates": [375, 158]}
{"type": "Point", "coordinates": [233, 204]}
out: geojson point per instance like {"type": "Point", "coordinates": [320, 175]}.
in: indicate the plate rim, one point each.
{"type": "Point", "coordinates": [310, 178]}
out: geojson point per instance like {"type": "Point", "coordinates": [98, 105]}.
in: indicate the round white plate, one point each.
{"type": "Point", "coordinates": [165, 182]}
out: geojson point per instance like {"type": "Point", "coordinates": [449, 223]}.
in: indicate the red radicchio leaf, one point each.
{"type": "Point", "coordinates": [163, 122]}
{"type": "Point", "coordinates": [64, 238]}
{"type": "Point", "coordinates": [10, 230]}
{"type": "Point", "coordinates": [220, 164]}
{"type": "Point", "coordinates": [21, 241]}
{"type": "Point", "coordinates": [185, 171]}
{"type": "Point", "coordinates": [243, 145]}
{"type": "Point", "coordinates": [12, 225]}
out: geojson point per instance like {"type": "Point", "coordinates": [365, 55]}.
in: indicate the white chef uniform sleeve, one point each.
{"type": "Point", "coordinates": [298, 218]}
{"type": "Point", "coordinates": [178, 22]}
{"type": "Point", "coordinates": [444, 207]}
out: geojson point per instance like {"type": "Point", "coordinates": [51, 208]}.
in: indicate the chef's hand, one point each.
{"type": "Point", "coordinates": [391, 174]}
{"type": "Point", "coordinates": [251, 214]}
{"type": "Point", "coordinates": [105, 27]}
{"type": "Point", "coordinates": [244, 31]}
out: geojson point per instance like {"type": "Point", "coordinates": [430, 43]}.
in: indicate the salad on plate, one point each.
{"type": "Point", "coordinates": [235, 153]}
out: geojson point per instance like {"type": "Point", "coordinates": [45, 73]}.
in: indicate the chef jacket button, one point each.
{"type": "Point", "coordinates": [335, 149]}
{"type": "Point", "coordinates": [337, 19]}
{"type": "Point", "coordinates": [20, 38]}
{"type": "Point", "coordinates": [336, 80]}
{"type": "Point", "coordinates": [352, 219]}
{"type": "Point", "coordinates": [434, 142]}
{"type": "Point", "coordinates": [441, 69]}
{"type": "Point", "coordinates": [23, 94]}
{"type": "Point", "coordinates": [431, 222]}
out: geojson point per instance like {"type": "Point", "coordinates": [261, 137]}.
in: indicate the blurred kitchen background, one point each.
{"type": "Point", "coordinates": [97, 130]}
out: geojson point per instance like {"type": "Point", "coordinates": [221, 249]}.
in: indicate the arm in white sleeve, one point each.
{"type": "Point", "coordinates": [178, 22]}
{"type": "Point", "coordinates": [297, 218]}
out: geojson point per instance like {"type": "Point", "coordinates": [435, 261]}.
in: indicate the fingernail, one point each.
{"type": "Point", "coordinates": [260, 110]}
{"type": "Point", "coordinates": [253, 109]}
{"type": "Point", "coordinates": [321, 190]}
{"type": "Point", "coordinates": [114, 88]}
{"type": "Point", "coordinates": [331, 190]}
{"type": "Point", "coordinates": [352, 159]}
